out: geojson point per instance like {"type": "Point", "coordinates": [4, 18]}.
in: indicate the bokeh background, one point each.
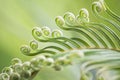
{"type": "Point", "coordinates": [17, 19]}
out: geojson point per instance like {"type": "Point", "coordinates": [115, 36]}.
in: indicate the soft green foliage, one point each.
{"type": "Point", "coordinates": [96, 48]}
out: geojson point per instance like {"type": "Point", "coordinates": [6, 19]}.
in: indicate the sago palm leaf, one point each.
{"type": "Point", "coordinates": [96, 47]}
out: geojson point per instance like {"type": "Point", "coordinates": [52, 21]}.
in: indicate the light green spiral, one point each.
{"type": "Point", "coordinates": [25, 49]}
{"type": "Point", "coordinates": [34, 45]}
{"type": "Point", "coordinates": [46, 32]}
{"type": "Point", "coordinates": [57, 33]}
{"type": "Point", "coordinates": [69, 18]}
{"type": "Point", "coordinates": [59, 21]}
{"type": "Point", "coordinates": [98, 6]}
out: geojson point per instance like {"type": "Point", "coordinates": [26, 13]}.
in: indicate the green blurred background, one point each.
{"type": "Point", "coordinates": [18, 17]}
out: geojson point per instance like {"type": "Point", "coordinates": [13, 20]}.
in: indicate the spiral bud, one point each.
{"type": "Point", "coordinates": [18, 68]}
{"type": "Point", "coordinates": [84, 13]}
{"type": "Point", "coordinates": [4, 76]}
{"type": "Point", "coordinates": [57, 33]}
{"type": "Point", "coordinates": [33, 45]}
{"type": "Point", "coordinates": [25, 49]}
{"type": "Point", "coordinates": [15, 61]}
{"type": "Point", "coordinates": [37, 31]}
{"type": "Point", "coordinates": [14, 76]}
{"type": "Point", "coordinates": [46, 31]}
{"type": "Point", "coordinates": [69, 18]}
{"type": "Point", "coordinates": [82, 20]}
{"type": "Point", "coordinates": [98, 6]}
{"type": "Point", "coordinates": [35, 64]}
{"type": "Point", "coordinates": [49, 61]}
{"type": "Point", "coordinates": [83, 16]}
{"type": "Point", "coordinates": [59, 21]}
{"type": "Point", "coordinates": [103, 4]}
{"type": "Point", "coordinates": [26, 66]}
{"type": "Point", "coordinates": [26, 74]}
{"type": "Point", "coordinates": [41, 58]}
{"type": "Point", "coordinates": [7, 70]}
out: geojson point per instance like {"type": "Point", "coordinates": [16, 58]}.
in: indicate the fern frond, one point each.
{"type": "Point", "coordinates": [96, 47]}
